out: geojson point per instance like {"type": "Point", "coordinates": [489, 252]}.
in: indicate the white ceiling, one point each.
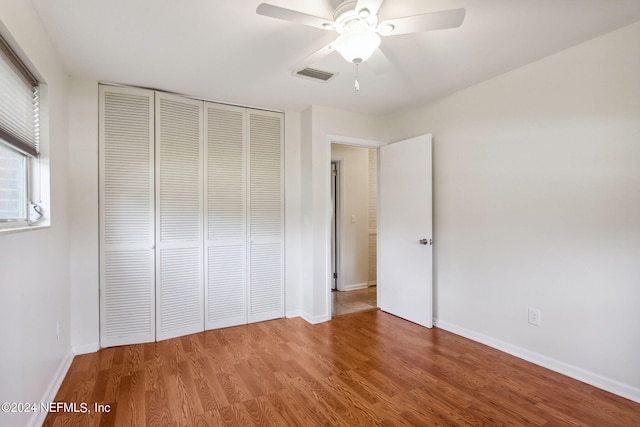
{"type": "Point", "coordinates": [221, 50]}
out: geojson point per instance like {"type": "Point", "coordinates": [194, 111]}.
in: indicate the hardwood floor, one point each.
{"type": "Point", "coordinates": [352, 301]}
{"type": "Point", "coordinates": [367, 368]}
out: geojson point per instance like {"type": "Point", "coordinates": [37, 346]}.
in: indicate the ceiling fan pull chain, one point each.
{"type": "Point", "coordinates": [357, 83]}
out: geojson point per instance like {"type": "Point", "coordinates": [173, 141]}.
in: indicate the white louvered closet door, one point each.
{"type": "Point", "coordinates": [126, 152]}
{"type": "Point", "coordinates": [266, 219]}
{"type": "Point", "coordinates": [225, 216]}
{"type": "Point", "coordinates": [179, 216]}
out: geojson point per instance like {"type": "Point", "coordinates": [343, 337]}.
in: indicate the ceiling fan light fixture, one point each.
{"type": "Point", "coordinates": [357, 45]}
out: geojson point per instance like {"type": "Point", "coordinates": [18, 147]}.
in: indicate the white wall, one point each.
{"type": "Point", "coordinates": [83, 214]}
{"type": "Point", "coordinates": [306, 225]}
{"type": "Point", "coordinates": [537, 204]}
{"type": "Point", "coordinates": [293, 258]}
{"type": "Point", "coordinates": [34, 265]}
{"type": "Point", "coordinates": [354, 201]}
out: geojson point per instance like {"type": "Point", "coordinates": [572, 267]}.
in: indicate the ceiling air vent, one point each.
{"type": "Point", "coordinates": [313, 74]}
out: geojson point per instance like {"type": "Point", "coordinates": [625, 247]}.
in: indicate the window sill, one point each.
{"type": "Point", "coordinates": [22, 227]}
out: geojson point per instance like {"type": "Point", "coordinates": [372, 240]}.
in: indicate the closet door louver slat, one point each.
{"type": "Point", "coordinates": [126, 152]}
{"type": "Point", "coordinates": [266, 226]}
{"type": "Point", "coordinates": [179, 218]}
{"type": "Point", "coordinates": [225, 213]}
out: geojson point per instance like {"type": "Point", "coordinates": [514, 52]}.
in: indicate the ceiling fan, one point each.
{"type": "Point", "coordinates": [359, 29]}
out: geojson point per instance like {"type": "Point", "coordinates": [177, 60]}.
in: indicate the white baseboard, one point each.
{"type": "Point", "coordinates": [613, 386]}
{"type": "Point", "coordinates": [372, 283]}
{"type": "Point", "coordinates": [355, 286]}
{"type": "Point", "coordinates": [86, 349]}
{"type": "Point", "coordinates": [293, 313]}
{"type": "Point", "coordinates": [50, 394]}
{"type": "Point", "coordinates": [315, 319]}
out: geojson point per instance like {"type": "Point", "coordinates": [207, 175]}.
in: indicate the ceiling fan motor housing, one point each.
{"type": "Point", "coordinates": [346, 17]}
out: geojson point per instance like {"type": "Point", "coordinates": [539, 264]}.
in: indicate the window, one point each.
{"type": "Point", "coordinates": [19, 136]}
{"type": "Point", "coordinates": [13, 185]}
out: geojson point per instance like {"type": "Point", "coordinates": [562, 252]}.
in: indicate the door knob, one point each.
{"type": "Point", "coordinates": [426, 242]}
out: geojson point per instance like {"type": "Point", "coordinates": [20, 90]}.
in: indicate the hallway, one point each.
{"type": "Point", "coordinates": [353, 301]}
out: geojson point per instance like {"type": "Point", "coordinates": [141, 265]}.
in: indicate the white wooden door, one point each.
{"type": "Point", "coordinates": [179, 216]}
{"type": "Point", "coordinates": [405, 218]}
{"type": "Point", "coordinates": [225, 216]}
{"type": "Point", "coordinates": [265, 215]}
{"type": "Point", "coordinates": [126, 197]}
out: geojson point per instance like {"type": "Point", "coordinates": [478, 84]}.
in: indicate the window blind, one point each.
{"type": "Point", "coordinates": [19, 127]}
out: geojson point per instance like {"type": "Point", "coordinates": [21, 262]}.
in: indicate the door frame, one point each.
{"type": "Point", "coordinates": [336, 223]}
{"type": "Point", "coordinates": [356, 142]}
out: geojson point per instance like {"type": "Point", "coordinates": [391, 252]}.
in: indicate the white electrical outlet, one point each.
{"type": "Point", "coordinates": [535, 317]}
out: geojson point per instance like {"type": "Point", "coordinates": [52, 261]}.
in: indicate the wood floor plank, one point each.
{"type": "Point", "coordinates": [353, 410]}
{"type": "Point", "coordinates": [243, 417]}
{"type": "Point", "coordinates": [233, 388]}
{"type": "Point", "coordinates": [218, 395]}
{"type": "Point", "coordinates": [157, 409]}
{"type": "Point", "coordinates": [131, 399]}
{"type": "Point", "coordinates": [227, 416]}
{"type": "Point", "coordinates": [366, 368]}
{"type": "Point", "coordinates": [294, 408]}
{"type": "Point", "coordinates": [262, 413]}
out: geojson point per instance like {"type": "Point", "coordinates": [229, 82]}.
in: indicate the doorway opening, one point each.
{"type": "Point", "coordinates": [353, 228]}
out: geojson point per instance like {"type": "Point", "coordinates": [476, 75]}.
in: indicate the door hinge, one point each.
{"type": "Point", "coordinates": [335, 275]}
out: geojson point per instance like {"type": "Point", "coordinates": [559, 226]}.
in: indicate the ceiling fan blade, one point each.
{"type": "Point", "coordinates": [277, 12]}
{"type": "Point", "coordinates": [426, 22]}
{"type": "Point", "coordinates": [315, 56]}
{"type": "Point", "coordinates": [379, 63]}
{"type": "Point", "coordinates": [371, 5]}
